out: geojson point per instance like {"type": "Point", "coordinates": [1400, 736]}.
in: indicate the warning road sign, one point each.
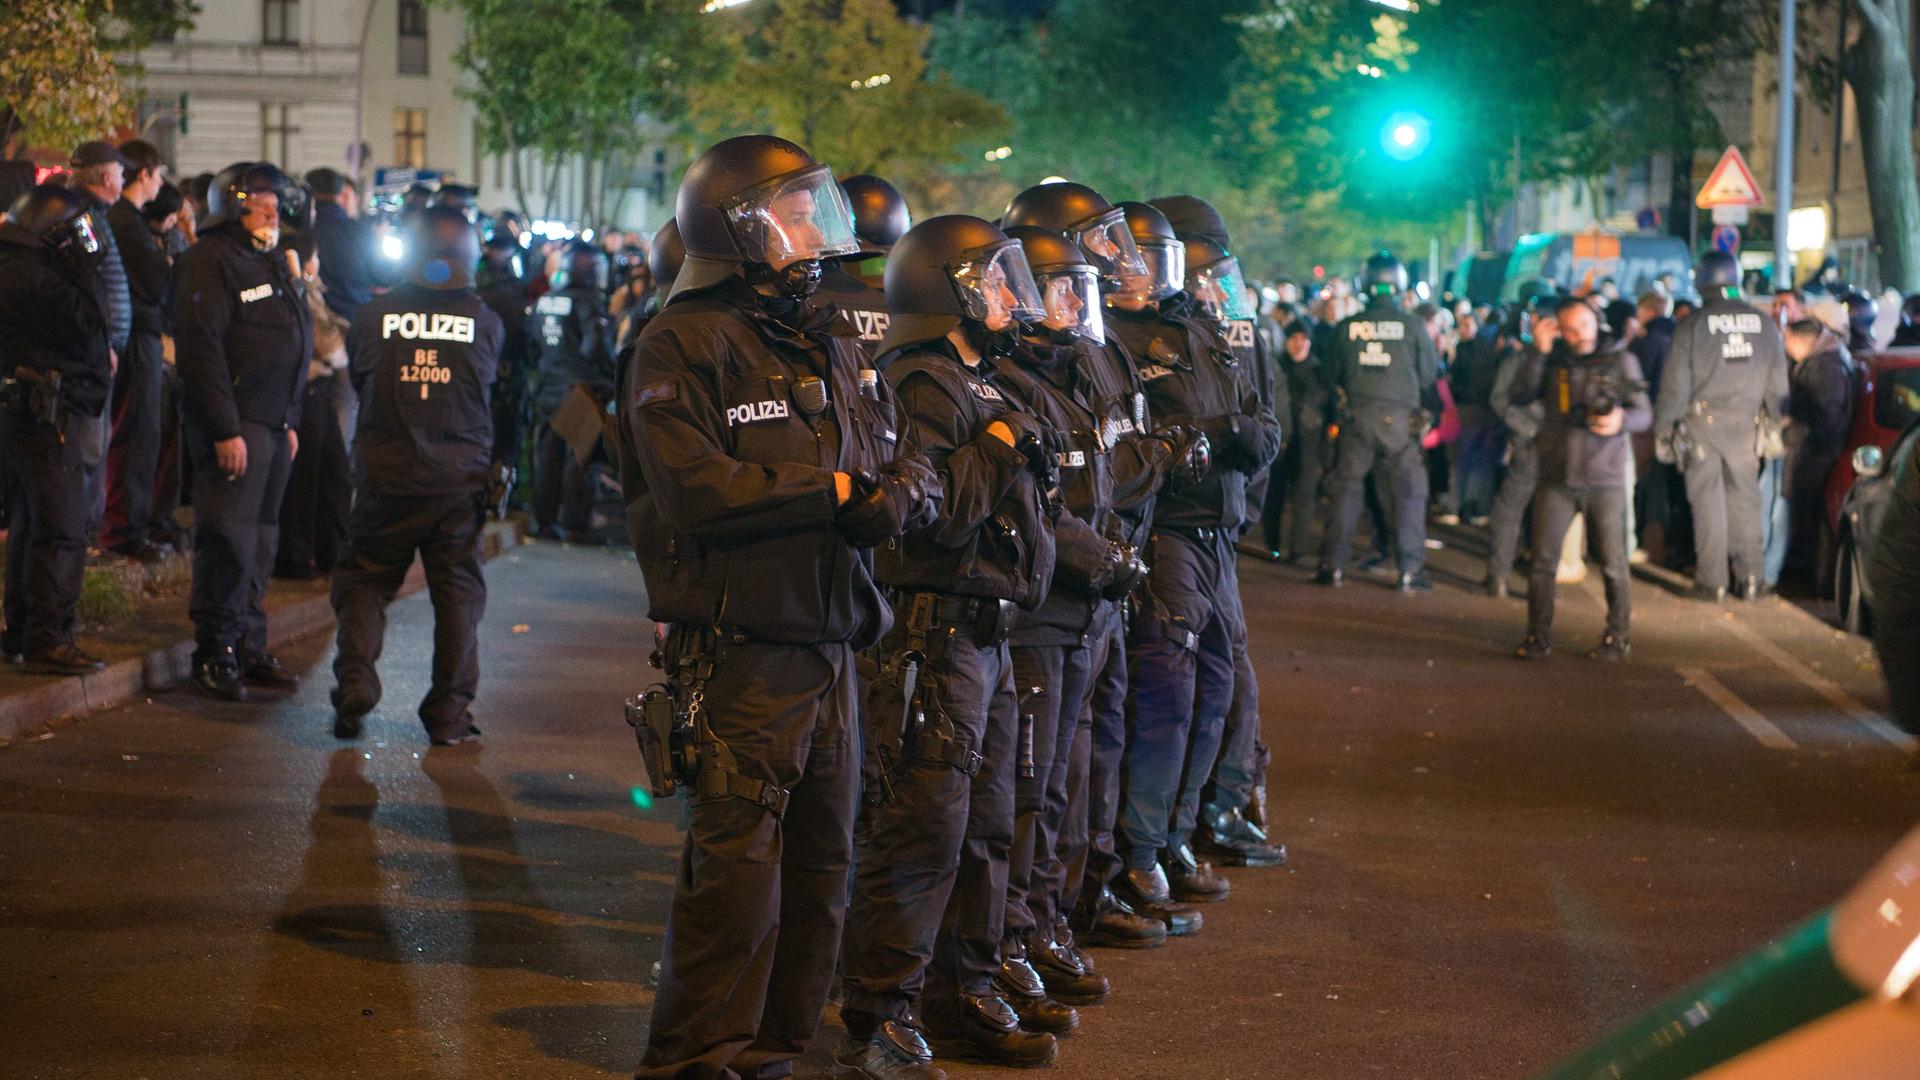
{"type": "Point", "coordinates": [1731, 184]}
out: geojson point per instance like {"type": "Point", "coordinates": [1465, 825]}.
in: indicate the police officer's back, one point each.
{"type": "Point", "coordinates": [880, 219]}
{"type": "Point", "coordinates": [573, 335]}
{"type": "Point", "coordinates": [423, 363]}
{"type": "Point", "coordinates": [53, 348]}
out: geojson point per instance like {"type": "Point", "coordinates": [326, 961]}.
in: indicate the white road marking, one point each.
{"type": "Point", "coordinates": [1761, 728]}
{"type": "Point", "coordinates": [1823, 686]}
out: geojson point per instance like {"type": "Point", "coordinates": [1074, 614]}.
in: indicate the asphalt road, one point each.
{"type": "Point", "coordinates": [1492, 862]}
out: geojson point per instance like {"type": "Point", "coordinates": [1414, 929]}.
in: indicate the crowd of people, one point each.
{"type": "Point", "coordinates": [939, 520]}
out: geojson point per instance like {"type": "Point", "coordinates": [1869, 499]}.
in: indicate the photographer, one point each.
{"type": "Point", "coordinates": [1591, 400]}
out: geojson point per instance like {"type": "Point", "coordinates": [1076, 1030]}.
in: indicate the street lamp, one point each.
{"type": "Point", "coordinates": [1406, 135]}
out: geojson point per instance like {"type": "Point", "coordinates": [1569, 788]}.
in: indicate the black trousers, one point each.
{"type": "Point", "coordinates": [170, 466]}
{"type": "Point", "coordinates": [236, 531]}
{"type": "Point", "coordinates": [1380, 444]}
{"type": "Point", "coordinates": [1244, 756]}
{"type": "Point", "coordinates": [930, 870]}
{"type": "Point", "coordinates": [1051, 686]}
{"type": "Point", "coordinates": [385, 532]}
{"type": "Point", "coordinates": [760, 900]}
{"type": "Point", "coordinates": [1511, 508]}
{"type": "Point", "coordinates": [47, 544]}
{"type": "Point", "coordinates": [1724, 493]}
{"type": "Point", "coordinates": [1606, 511]}
{"type": "Point", "coordinates": [563, 488]}
{"type": "Point", "coordinates": [1295, 494]}
{"type": "Point", "coordinates": [1104, 734]}
{"type": "Point", "coordinates": [133, 452]}
{"type": "Point", "coordinates": [313, 516]}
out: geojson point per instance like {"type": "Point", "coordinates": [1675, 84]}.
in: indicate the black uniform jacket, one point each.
{"type": "Point", "coordinates": [423, 362]}
{"type": "Point", "coordinates": [242, 335]}
{"type": "Point", "coordinates": [1192, 378]}
{"type": "Point", "coordinates": [993, 535]}
{"type": "Point", "coordinates": [1049, 381]}
{"type": "Point", "coordinates": [729, 484]}
{"type": "Point", "coordinates": [573, 341]}
{"type": "Point", "coordinates": [149, 274]}
{"type": "Point", "coordinates": [1727, 358]}
{"type": "Point", "coordinates": [50, 320]}
{"type": "Point", "coordinates": [1140, 462]}
{"type": "Point", "coordinates": [862, 307]}
{"type": "Point", "coordinates": [1383, 357]}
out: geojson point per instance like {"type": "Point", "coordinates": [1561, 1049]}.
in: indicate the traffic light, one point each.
{"type": "Point", "coordinates": [1405, 135]}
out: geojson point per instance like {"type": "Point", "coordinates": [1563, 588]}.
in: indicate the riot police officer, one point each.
{"type": "Point", "coordinates": [423, 359]}
{"type": "Point", "coordinates": [242, 337]}
{"type": "Point", "coordinates": [1053, 648]}
{"type": "Point", "coordinates": [572, 335]}
{"type": "Point", "coordinates": [1189, 620]}
{"type": "Point", "coordinates": [760, 469]}
{"type": "Point", "coordinates": [1725, 376]}
{"type": "Point", "coordinates": [931, 865]}
{"type": "Point", "coordinates": [53, 336]}
{"type": "Point", "coordinates": [1383, 366]}
{"type": "Point", "coordinates": [880, 219]}
{"type": "Point", "coordinates": [504, 290]}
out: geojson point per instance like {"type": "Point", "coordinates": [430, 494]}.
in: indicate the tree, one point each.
{"type": "Point", "coordinates": [58, 83]}
{"type": "Point", "coordinates": [848, 80]}
{"type": "Point", "coordinates": [1879, 67]}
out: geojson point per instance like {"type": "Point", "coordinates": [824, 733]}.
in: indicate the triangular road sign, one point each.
{"type": "Point", "coordinates": [1731, 184]}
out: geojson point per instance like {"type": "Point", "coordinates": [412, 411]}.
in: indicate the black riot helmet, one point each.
{"type": "Point", "coordinates": [227, 195]}
{"type": "Point", "coordinates": [1385, 276]}
{"type": "Point", "coordinates": [880, 215]}
{"type": "Point", "coordinates": [1087, 218]}
{"type": "Point", "coordinates": [443, 249]}
{"type": "Point", "coordinates": [48, 212]}
{"type": "Point", "coordinates": [1717, 270]}
{"type": "Point", "coordinates": [462, 197]}
{"type": "Point", "coordinates": [1215, 282]}
{"type": "Point", "coordinates": [1162, 252]}
{"type": "Point", "coordinates": [586, 266]}
{"type": "Point", "coordinates": [296, 206]}
{"type": "Point", "coordinates": [665, 257]}
{"type": "Point", "coordinates": [1069, 284]}
{"type": "Point", "coordinates": [957, 270]}
{"type": "Point", "coordinates": [1191, 215]}
{"type": "Point", "coordinates": [760, 203]}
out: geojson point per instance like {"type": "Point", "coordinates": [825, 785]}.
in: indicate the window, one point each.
{"type": "Point", "coordinates": [280, 22]}
{"type": "Point", "coordinates": [279, 131]}
{"type": "Point", "coordinates": [410, 138]}
{"type": "Point", "coordinates": [412, 51]}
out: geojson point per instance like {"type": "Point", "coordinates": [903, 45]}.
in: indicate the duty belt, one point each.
{"type": "Point", "coordinates": [987, 621]}
{"type": "Point", "coordinates": [691, 652]}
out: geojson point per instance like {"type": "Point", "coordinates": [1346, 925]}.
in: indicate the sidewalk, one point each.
{"type": "Point", "coordinates": [153, 649]}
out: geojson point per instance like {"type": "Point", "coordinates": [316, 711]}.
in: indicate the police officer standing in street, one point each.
{"type": "Point", "coordinates": [53, 338]}
{"type": "Point", "coordinates": [1383, 365]}
{"type": "Point", "coordinates": [422, 360]}
{"type": "Point", "coordinates": [243, 336]}
{"type": "Point", "coordinates": [880, 219]}
{"type": "Point", "coordinates": [1591, 399]}
{"type": "Point", "coordinates": [1725, 376]}
{"type": "Point", "coordinates": [572, 335]}
{"type": "Point", "coordinates": [931, 867]}
{"type": "Point", "coordinates": [505, 292]}
{"type": "Point", "coordinates": [760, 468]}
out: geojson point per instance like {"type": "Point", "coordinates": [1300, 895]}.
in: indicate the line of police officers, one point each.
{"type": "Point", "coordinates": [947, 579]}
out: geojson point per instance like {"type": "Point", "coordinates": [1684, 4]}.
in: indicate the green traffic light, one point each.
{"type": "Point", "coordinates": [1406, 135]}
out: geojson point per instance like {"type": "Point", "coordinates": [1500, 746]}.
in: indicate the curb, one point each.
{"type": "Point", "coordinates": [35, 713]}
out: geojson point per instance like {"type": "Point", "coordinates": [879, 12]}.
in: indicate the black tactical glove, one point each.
{"type": "Point", "coordinates": [883, 504]}
{"type": "Point", "coordinates": [1191, 452]}
{"type": "Point", "coordinates": [1128, 572]}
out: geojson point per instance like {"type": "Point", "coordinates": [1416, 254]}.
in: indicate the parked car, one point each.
{"type": "Point", "coordinates": [1859, 526]}
{"type": "Point", "coordinates": [1478, 279]}
{"type": "Point", "coordinates": [1886, 399]}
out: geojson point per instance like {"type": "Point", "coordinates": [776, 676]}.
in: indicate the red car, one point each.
{"type": "Point", "coordinates": [1886, 394]}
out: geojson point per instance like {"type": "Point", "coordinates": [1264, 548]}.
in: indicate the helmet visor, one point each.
{"type": "Point", "coordinates": [1109, 245]}
{"type": "Point", "coordinates": [1166, 262]}
{"type": "Point", "coordinates": [1221, 290]}
{"type": "Point", "coordinates": [1072, 300]}
{"type": "Point", "coordinates": [996, 288]}
{"type": "Point", "coordinates": [803, 215]}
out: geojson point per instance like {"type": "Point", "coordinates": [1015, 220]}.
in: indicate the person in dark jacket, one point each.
{"type": "Point", "coordinates": [571, 335]}
{"type": "Point", "coordinates": [140, 381]}
{"type": "Point", "coordinates": [1305, 459]}
{"type": "Point", "coordinates": [53, 336]}
{"type": "Point", "coordinates": [422, 359]}
{"type": "Point", "coordinates": [1592, 398]}
{"type": "Point", "coordinates": [505, 292]}
{"type": "Point", "coordinates": [1893, 569]}
{"type": "Point", "coordinates": [1522, 422]}
{"type": "Point", "coordinates": [243, 338]}
{"type": "Point", "coordinates": [344, 241]}
{"type": "Point", "coordinates": [167, 217]}
{"type": "Point", "coordinates": [1482, 440]}
{"type": "Point", "coordinates": [760, 469]}
{"type": "Point", "coordinates": [1820, 415]}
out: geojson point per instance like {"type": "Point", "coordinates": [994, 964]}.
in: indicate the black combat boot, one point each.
{"type": "Point", "coordinates": [1108, 922]}
{"type": "Point", "coordinates": [896, 1050]}
{"type": "Point", "coordinates": [984, 1027]}
{"type": "Point", "coordinates": [217, 675]}
{"type": "Point", "coordinates": [1226, 834]}
{"type": "Point", "coordinates": [1069, 976]}
{"type": "Point", "coordinates": [1023, 988]}
{"type": "Point", "coordinates": [1193, 881]}
{"type": "Point", "coordinates": [1147, 892]}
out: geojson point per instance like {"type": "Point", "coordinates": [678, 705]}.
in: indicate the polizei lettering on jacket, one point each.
{"type": "Point", "coordinates": [755, 412]}
{"type": "Point", "coordinates": [1368, 330]}
{"type": "Point", "coordinates": [427, 326]}
{"type": "Point", "coordinates": [1739, 322]}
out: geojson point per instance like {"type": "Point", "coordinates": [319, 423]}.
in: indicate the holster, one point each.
{"type": "Point", "coordinates": [690, 753]}
{"type": "Point", "coordinates": [34, 395]}
{"type": "Point", "coordinates": [665, 742]}
{"type": "Point", "coordinates": [894, 714]}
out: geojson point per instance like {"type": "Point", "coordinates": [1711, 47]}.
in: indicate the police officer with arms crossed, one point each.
{"type": "Point", "coordinates": [930, 873]}
{"type": "Point", "coordinates": [423, 359]}
{"type": "Point", "coordinates": [760, 468]}
{"type": "Point", "coordinates": [53, 338]}
{"type": "Point", "coordinates": [1591, 399]}
{"type": "Point", "coordinates": [1726, 367]}
{"type": "Point", "coordinates": [1384, 365]}
{"type": "Point", "coordinates": [242, 339]}
{"type": "Point", "coordinates": [880, 219]}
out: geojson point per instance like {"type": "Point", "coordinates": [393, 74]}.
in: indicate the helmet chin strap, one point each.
{"type": "Point", "coordinates": [796, 281]}
{"type": "Point", "coordinates": [989, 342]}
